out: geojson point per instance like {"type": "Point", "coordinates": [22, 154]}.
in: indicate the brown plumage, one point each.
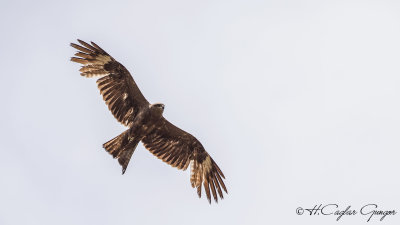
{"type": "Point", "coordinates": [146, 123]}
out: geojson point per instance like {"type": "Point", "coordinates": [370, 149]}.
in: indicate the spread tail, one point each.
{"type": "Point", "coordinates": [122, 148]}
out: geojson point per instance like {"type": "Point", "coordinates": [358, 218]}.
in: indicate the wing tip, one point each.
{"type": "Point", "coordinates": [210, 176]}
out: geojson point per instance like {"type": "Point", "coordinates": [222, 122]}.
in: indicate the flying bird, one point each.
{"type": "Point", "coordinates": [146, 123]}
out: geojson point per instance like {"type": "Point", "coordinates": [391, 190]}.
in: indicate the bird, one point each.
{"type": "Point", "coordinates": [146, 123]}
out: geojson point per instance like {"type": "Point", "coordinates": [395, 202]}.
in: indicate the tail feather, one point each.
{"type": "Point", "coordinates": [121, 148]}
{"type": "Point", "coordinates": [126, 155]}
{"type": "Point", "coordinates": [114, 146]}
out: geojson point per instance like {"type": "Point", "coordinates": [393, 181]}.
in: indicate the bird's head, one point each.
{"type": "Point", "coordinates": [157, 107]}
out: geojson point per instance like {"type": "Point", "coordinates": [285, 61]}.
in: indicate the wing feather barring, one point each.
{"type": "Point", "coordinates": [146, 123]}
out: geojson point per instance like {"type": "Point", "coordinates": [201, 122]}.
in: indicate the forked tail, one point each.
{"type": "Point", "coordinates": [122, 148]}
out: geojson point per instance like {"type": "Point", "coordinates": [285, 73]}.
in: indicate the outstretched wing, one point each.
{"type": "Point", "coordinates": [116, 84]}
{"type": "Point", "coordinates": [179, 149]}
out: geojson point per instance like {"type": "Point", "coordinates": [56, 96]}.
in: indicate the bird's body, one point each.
{"type": "Point", "coordinates": [146, 123]}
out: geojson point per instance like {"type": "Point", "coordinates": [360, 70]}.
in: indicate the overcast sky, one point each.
{"type": "Point", "coordinates": [297, 101]}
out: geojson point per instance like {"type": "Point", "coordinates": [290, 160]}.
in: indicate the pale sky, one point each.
{"type": "Point", "coordinates": [297, 101]}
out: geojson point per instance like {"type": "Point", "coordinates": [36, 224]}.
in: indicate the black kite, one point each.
{"type": "Point", "coordinates": [146, 123]}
